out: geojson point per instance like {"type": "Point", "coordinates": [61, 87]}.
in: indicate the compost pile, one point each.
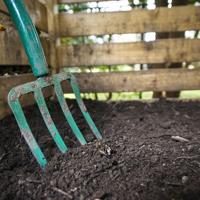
{"type": "Point", "coordinates": [137, 159]}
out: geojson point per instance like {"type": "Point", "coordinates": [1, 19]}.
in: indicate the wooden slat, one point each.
{"type": "Point", "coordinates": [37, 11]}
{"type": "Point", "coordinates": [151, 80]}
{"type": "Point", "coordinates": [6, 83]}
{"type": "Point", "coordinates": [179, 18]}
{"type": "Point", "coordinates": [11, 50]}
{"type": "Point", "coordinates": [80, 1]}
{"type": "Point", "coordinates": [159, 51]}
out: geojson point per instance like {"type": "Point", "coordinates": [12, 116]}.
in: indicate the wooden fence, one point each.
{"type": "Point", "coordinates": [56, 25]}
{"type": "Point", "coordinates": [180, 18]}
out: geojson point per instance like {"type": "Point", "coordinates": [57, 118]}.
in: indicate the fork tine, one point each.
{"type": "Point", "coordinates": [25, 129]}
{"type": "Point", "coordinates": [48, 120]}
{"type": "Point", "coordinates": [82, 107]}
{"type": "Point", "coordinates": [67, 113]}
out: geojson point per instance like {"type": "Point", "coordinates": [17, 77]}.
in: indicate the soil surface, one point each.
{"type": "Point", "coordinates": [137, 158]}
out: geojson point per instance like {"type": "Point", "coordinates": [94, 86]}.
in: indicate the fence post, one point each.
{"type": "Point", "coordinates": [52, 19]}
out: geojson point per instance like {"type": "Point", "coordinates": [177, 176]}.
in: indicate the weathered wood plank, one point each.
{"type": "Point", "coordinates": [6, 83]}
{"type": "Point", "coordinates": [150, 80]}
{"type": "Point", "coordinates": [159, 51]}
{"type": "Point", "coordinates": [12, 52]}
{"type": "Point", "coordinates": [179, 18]}
{"type": "Point", "coordinates": [37, 11]}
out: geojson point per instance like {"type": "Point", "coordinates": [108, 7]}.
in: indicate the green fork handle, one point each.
{"type": "Point", "coordinates": [28, 36]}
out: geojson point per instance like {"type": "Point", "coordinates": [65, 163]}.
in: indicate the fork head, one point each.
{"type": "Point", "coordinates": [36, 88]}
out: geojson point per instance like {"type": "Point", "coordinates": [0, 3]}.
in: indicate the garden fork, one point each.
{"type": "Point", "coordinates": [34, 51]}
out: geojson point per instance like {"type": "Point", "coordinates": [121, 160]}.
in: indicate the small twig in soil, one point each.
{"type": "Point", "coordinates": [187, 157]}
{"type": "Point", "coordinates": [62, 192]}
{"type": "Point", "coordinates": [193, 170]}
{"type": "Point", "coordinates": [2, 157]}
{"type": "Point", "coordinates": [196, 162]}
{"type": "Point", "coordinates": [179, 139]}
{"type": "Point", "coordinates": [33, 181]}
{"type": "Point", "coordinates": [173, 184]}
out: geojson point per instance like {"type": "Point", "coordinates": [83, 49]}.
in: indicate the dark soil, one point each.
{"type": "Point", "coordinates": [137, 159]}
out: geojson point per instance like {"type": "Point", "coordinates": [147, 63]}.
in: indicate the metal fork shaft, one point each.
{"type": "Point", "coordinates": [82, 107]}
{"type": "Point", "coordinates": [67, 113]}
{"type": "Point", "coordinates": [26, 131]}
{"type": "Point", "coordinates": [48, 121]}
